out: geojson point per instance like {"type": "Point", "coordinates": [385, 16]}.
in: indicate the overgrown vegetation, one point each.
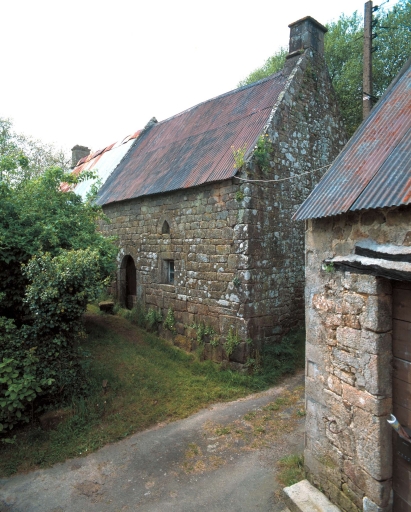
{"type": "Point", "coordinates": [261, 152]}
{"type": "Point", "coordinates": [148, 381]}
{"type": "Point", "coordinates": [170, 321]}
{"type": "Point", "coordinates": [291, 470]}
{"type": "Point", "coordinates": [149, 320]}
{"type": "Point", "coordinates": [231, 342]}
{"type": "Point", "coordinates": [52, 263]}
{"type": "Point", "coordinates": [202, 330]}
{"type": "Point", "coordinates": [239, 154]}
{"type": "Point", "coordinates": [343, 54]}
{"type": "Point", "coordinates": [285, 356]}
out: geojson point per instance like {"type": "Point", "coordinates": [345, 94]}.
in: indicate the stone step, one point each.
{"type": "Point", "coordinates": [304, 497]}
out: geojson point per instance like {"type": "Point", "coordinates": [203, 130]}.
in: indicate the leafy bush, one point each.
{"type": "Point", "coordinates": [19, 387]}
{"type": "Point", "coordinates": [60, 289]}
{"type": "Point", "coordinates": [37, 217]}
{"type": "Point", "coordinates": [52, 262]}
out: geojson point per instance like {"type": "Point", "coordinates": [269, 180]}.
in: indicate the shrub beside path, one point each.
{"type": "Point", "coordinates": [222, 458]}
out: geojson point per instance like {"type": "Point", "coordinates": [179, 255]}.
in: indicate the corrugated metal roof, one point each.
{"type": "Point", "coordinates": [374, 169]}
{"type": "Point", "coordinates": [103, 162]}
{"type": "Point", "coordinates": [194, 147]}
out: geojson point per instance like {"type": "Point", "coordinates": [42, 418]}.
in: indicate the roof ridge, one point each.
{"type": "Point", "coordinates": [233, 91]}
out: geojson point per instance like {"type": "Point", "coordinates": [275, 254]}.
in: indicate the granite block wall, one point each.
{"type": "Point", "coordinates": [348, 451]}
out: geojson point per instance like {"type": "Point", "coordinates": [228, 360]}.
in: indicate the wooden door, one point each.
{"type": "Point", "coordinates": [401, 330]}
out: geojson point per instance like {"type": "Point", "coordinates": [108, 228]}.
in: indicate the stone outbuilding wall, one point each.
{"type": "Point", "coordinates": [348, 449]}
{"type": "Point", "coordinates": [238, 258]}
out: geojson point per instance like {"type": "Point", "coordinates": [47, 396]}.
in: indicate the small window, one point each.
{"type": "Point", "coordinates": [170, 271]}
{"type": "Point", "coordinates": [165, 230]}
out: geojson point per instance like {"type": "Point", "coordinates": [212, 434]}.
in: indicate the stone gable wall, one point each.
{"type": "Point", "coordinates": [307, 133]}
{"type": "Point", "coordinates": [239, 259]}
{"type": "Point", "coordinates": [348, 362]}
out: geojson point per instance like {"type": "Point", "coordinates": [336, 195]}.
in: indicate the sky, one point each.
{"type": "Point", "coordinates": [91, 72]}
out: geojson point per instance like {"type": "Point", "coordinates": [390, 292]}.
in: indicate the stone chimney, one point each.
{"type": "Point", "coordinates": [306, 33]}
{"type": "Point", "coordinates": [77, 153]}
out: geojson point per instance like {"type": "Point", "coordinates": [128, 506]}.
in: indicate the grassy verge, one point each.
{"type": "Point", "coordinates": [291, 470]}
{"type": "Point", "coordinates": [148, 381]}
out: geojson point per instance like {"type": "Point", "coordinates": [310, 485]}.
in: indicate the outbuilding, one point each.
{"type": "Point", "coordinates": [358, 313]}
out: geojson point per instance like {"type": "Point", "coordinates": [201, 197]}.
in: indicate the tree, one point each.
{"type": "Point", "coordinates": [343, 53]}
{"type": "Point", "coordinates": [53, 261]}
{"type": "Point", "coordinates": [23, 157]}
{"type": "Point", "coordinates": [272, 65]}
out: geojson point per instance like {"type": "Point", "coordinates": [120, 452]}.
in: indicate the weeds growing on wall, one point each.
{"type": "Point", "coordinates": [239, 155]}
{"type": "Point", "coordinates": [262, 152]}
{"type": "Point", "coordinates": [149, 320]}
{"type": "Point", "coordinates": [239, 196]}
{"type": "Point", "coordinates": [203, 330]}
{"type": "Point", "coordinates": [170, 321]}
{"type": "Point", "coordinates": [231, 342]}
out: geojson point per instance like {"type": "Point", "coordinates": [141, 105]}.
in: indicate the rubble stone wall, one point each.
{"type": "Point", "coordinates": [306, 133]}
{"type": "Point", "coordinates": [348, 362]}
{"type": "Point", "coordinates": [239, 258]}
{"type": "Point", "coordinates": [205, 244]}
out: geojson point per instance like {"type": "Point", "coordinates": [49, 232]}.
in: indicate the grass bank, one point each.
{"type": "Point", "coordinates": [138, 380]}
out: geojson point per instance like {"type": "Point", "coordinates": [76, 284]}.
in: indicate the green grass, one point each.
{"type": "Point", "coordinates": [291, 470]}
{"type": "Point", "coordinates": [148, 381]}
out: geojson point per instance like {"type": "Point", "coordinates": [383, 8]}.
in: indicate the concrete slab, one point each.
{"type": "Point", "coordinates": [304, 497]}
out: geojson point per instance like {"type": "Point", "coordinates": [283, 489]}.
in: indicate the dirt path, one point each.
{"type": "Point", "coordinates": [221, 459]}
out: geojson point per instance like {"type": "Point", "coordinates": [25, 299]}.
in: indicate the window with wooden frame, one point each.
{"type": "Point", "coordinates": [169, 271]}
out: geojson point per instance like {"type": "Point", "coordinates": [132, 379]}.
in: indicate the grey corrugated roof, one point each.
{"type": "Point", "coordinates": [374, 169]}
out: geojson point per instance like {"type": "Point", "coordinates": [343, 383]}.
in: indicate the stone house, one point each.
{"type": "Point", "coordinates": [358, 313]}
{"type": "Point", "coordinates": [202, 205]}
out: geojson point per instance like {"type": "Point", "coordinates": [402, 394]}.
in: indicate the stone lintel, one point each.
{"type": "Point", "coordinates": [398, 270]}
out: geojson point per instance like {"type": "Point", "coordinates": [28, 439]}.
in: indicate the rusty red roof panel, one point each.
{"type": "Point", "coordinates": [194, 147]}
{"type": "Point", "coordinates": [374, 169]}
{"type": "Point", "coordinates": [103, 161]}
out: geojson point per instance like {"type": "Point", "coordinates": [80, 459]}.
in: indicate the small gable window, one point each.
{"type": "Point", "coordinates": [165, 230]}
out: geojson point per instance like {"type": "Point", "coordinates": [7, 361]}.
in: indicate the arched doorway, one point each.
{"type": "Point", "coordinates": [128, 284]}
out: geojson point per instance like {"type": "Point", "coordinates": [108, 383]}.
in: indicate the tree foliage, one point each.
{"type": "Point", "coordinates": [343, 54]}
{"type": "Point", "coordinates": [23, 157]}
{"type": "Point", "coordinates": [53, 261]}
{"type": "Point", "coordinates": [272, 65]}
{"type": "Point", "coordinates": [37, 217]}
